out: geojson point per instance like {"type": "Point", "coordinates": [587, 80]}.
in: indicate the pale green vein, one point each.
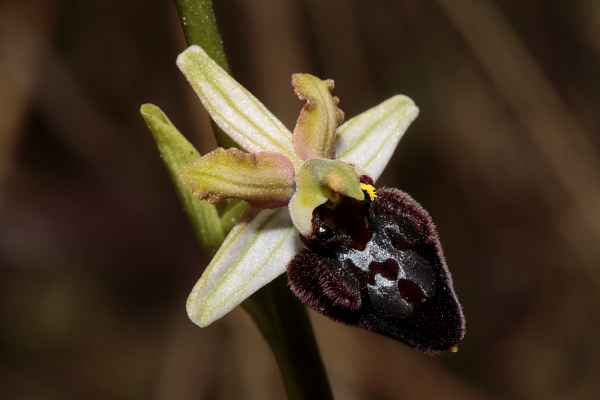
{"type": "Point", "coordinates": [285, 148]}
{"type": "Point", "coordinates": [222, 251]}
{"type": "Point", "coordinates": [262, 267]}
{"type": "Point", "coordinates": [233, 268]}
{"type": "Point", "coordinates": [379, 149]}
{"type": "Point", "coordinates": [367, 132]}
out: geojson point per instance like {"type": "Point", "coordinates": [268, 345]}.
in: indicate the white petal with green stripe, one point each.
{"type": "Point", "coordinates": [369, 139]}
{"type": "Point", "coordinates": [255, 252]}
{"type": "Point", "coordinates": [245, 119]}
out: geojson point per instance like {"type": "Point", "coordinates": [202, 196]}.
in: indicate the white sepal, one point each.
{"type": "Point", "coordinates": [241, 115]}
{"type": "Point", "coordinates": [370, 138]}
{"type": "Point", "coordinates": [255, 252]}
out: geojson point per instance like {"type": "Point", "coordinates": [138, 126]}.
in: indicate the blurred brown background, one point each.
{"type": "Point", "coordinates": [97, 259]}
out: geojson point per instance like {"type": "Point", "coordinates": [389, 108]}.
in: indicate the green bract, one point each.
{"type": "Point", "coordinates": [299, 170]}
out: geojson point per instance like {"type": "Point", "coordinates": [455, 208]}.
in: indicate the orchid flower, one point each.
{"type": "Point", "coordinates": [294, 183]}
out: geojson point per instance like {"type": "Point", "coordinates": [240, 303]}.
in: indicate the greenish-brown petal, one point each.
{"type": "Point", "coordinates": [314, 135]}
{"type": "Point", "coordinates": [263, 179]}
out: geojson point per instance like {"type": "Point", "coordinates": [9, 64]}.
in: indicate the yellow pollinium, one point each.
{"type": "Point", "coordinates": [370, 189]}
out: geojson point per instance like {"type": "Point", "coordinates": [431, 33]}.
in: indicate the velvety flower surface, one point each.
{"type": "Point", "coordinates": [324, 164]}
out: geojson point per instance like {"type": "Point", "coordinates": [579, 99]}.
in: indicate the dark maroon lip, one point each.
{"type": "Point", "coordinates": [379, 265]}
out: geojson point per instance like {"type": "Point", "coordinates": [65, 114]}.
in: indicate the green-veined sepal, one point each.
{"type": "Point", "coordinates": [370, 138]}
{"type": "Point", "coordinates": [254, 253]}
{"type": "Point", "coordinates": [245, 119]}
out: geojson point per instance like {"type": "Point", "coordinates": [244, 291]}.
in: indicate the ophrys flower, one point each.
{"type": "Point", "coordinates": [369, 261]}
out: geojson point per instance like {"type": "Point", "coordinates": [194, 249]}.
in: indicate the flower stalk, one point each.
{"type": "Point", "coordinates": [200, 28]}
{"type": "Point", "coordinates": [284, 323]}
{"type": "Point", "coordinates": [281, 318]}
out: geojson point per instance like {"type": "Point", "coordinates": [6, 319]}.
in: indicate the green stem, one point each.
{"type": "Point", "coordinates": [284, 323]}
{"type": "Point", "coordinates": [281, 318]}
{"type": "Point", "coordinates": [200, 28]}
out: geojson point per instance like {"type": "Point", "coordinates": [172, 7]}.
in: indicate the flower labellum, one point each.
{"type": "Point", "coordinates": [365, 257]}
{"type": "Point", "coordinates": [378, 264]}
